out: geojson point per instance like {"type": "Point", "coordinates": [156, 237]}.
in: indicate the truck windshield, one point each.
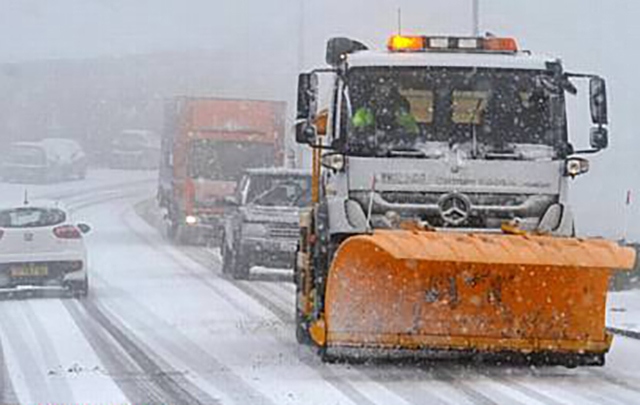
{"type": "Point", "coordinates": [390, 109]}
{"type": "Point", "coordinates": [222, 160]}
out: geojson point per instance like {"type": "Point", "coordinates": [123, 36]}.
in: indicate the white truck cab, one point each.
{"type": "Point", "coordinates": [456, 133]}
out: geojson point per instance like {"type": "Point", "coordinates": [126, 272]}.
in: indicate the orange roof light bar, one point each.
{"type": "Point", "coordinates": [401, 43]}
{"type": "Point", "coordinates": [501, 44]}
{"type": "Point", "coordinates": [414, 43]}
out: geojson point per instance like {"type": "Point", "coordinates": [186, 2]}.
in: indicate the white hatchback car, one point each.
{"type": "Point", "coordinates": [42, 249]}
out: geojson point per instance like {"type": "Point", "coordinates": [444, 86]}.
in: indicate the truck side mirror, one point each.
{"type": "Point", "coordinates": [307, 107]}
{"type": "Point", "coordinates": [599, 138]}
{"type": "Point", "coordinates": [307, 95]}
{"type": "Point", "coordinates": [598, 96]}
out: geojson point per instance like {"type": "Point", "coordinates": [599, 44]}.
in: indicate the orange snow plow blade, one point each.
{"type": "Point", "coordinates": [417, 290]}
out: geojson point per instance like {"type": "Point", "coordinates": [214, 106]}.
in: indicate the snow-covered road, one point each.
{"type": "Point", "coordinates": [163, 326]}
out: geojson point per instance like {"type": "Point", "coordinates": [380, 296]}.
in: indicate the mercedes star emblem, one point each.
{"type": "Point", "coordinates": [454, 208]}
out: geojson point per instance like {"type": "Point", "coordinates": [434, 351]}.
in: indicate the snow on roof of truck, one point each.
{"type": "Point", "coordinates": [517, 60]}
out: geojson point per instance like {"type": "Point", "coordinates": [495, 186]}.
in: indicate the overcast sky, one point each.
{"type": "Point", "coordinates": [595, 36]}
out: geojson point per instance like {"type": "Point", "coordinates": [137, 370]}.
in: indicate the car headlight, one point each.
{"type": "Point", "coordinates": [576, 166]}
{"type": "Point", "coordinates": [191, 220]}
{"type": "Point", "coordinates": [254, 230]}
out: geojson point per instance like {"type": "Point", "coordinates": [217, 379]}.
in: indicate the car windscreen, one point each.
{"type": "Point", "coordinates": [30, 217]}
{"type": "Point", "coordinates": [25, 155]}
{"type": "Point", "coordinates": [222, 160]}
{"type": "Point", "coordinates": [279, 191]}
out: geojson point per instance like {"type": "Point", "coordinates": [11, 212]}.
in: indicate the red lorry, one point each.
{"type": "Point", "coordinates": [207, 144]}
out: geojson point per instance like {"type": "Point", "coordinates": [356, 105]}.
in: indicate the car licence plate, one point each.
{"type": "Point", "coordinates": [30, 270]}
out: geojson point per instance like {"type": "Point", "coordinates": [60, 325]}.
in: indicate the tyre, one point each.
{"type": "Point", "coordinates": [302, 330]}
{"type": "Point", "coordinates": [227, 258]}
{"type": "Point", "coordinates": [172, 231]}
{"type": "Point", "coordinates": [177, 233]}
{"type": "Point", "coordinates": [242, 268]}
{"type": "Point", "coordinates": [79, 289]}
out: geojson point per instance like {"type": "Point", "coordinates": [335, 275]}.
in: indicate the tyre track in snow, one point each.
{"type": "Point", "coordinates": [156, 387]}
{"type": "Point", "coordinates": [206, 259]}
{"type": "Point", "coordinates": [196, 255]}
{"type": "Point", "coordinates": [159, 385]}
{"type": "Point", "coordinates": [16, 340]}
{"type": "Point", "coordinates": [445, 375]}
{"type": "Point", "coordinates": [231, 384]}
{"type": "Point", "coordinates": [113, 347]}
{"type": "Point", "coordinates": [7, 392]}
{"type": "Point", "coordinates": [616, 381]}
{"type": "Point", "coordinates": [109, 341]}
{"type": "Point", "coordinates": [286, 317]}
{"type": "Point", "coordinates": [46, 348]}
{"type": "Point", "coordinates": [269, 302]}
{"type": "Point", "coordinates": [203, 258]}
{"type": "Point", "coordinates": [14, 336]}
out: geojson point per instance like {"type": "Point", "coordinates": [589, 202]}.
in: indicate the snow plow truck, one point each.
{"type": "Point", "coordinates": [440, 221]}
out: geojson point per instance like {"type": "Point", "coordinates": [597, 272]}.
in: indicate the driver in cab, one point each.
{"type": "Point", "coordinates": [386, 112]}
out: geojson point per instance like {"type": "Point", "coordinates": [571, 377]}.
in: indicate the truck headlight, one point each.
{"type": "Point", "coordinates": [334, 161]}
{"type": "Point", "coordinates": [255, 230]}
{"type": "Point", "coordinates": [576, 166]}
{"type": "Point", "coordinates": [191, 220]}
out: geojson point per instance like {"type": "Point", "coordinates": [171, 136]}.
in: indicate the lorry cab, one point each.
{"type": "Point", "coordinates": [457, 133]}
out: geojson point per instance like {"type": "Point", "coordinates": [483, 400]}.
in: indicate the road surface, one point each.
{"type": "Point", "coordinates": [163, 326]}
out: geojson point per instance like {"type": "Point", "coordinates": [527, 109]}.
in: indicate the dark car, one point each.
{"type": "Point", "coordinates": [264, 229]}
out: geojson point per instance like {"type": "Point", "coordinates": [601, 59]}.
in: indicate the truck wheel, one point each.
{"type": "Point", "coordinates": [184, 236]}
{"type": "Point", "coordinates": [227, 258]}
{"type": "Point", "coordinates": [242, 268]}
{"type": "Point", "coordinates": [172, 231]}
{"type": "Point", "coordinates": [302, 331]}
